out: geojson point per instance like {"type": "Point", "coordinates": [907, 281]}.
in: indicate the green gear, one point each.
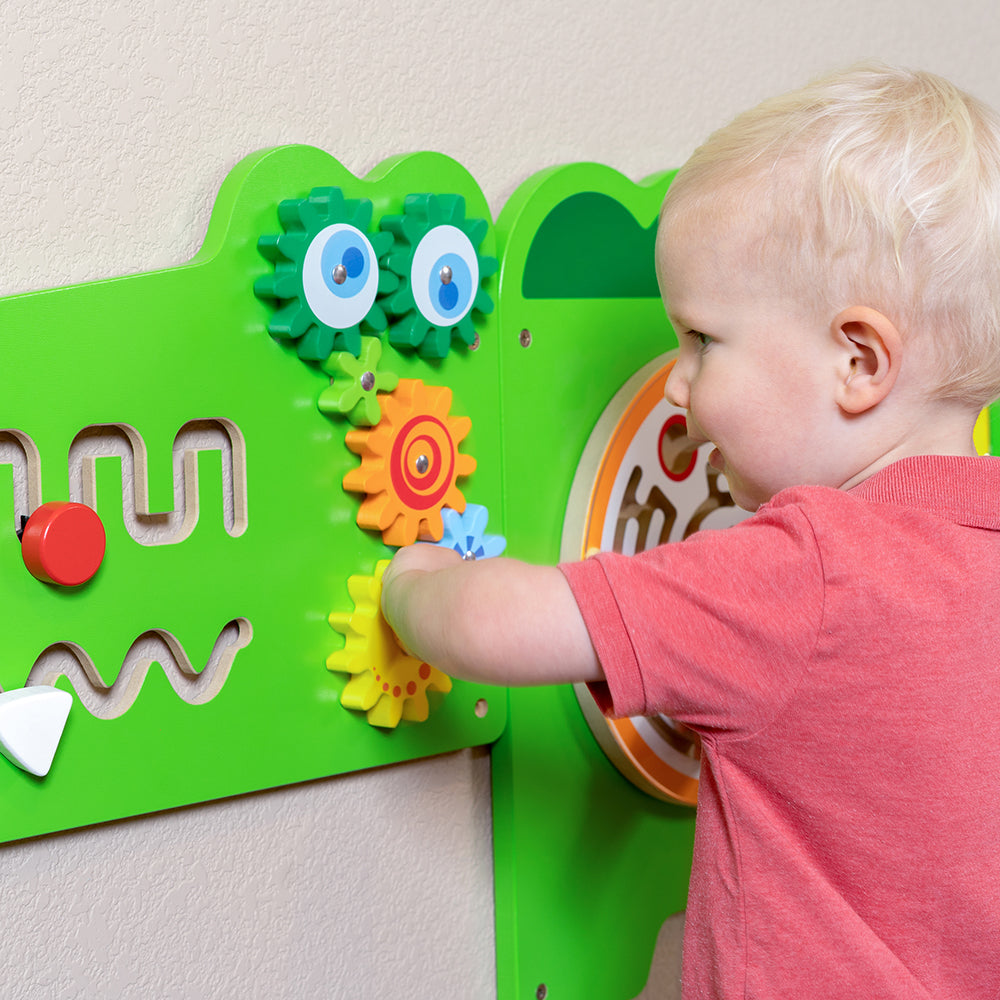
{"type": "Point", "coordinates": [356, 382]}
{"type": "Point", "coordinates": [303, 220]}
{"type": "Point", "coordinates": [411, 328]}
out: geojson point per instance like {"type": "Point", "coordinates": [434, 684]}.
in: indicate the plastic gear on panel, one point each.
{"type": "Point", "coordinates": [386, 683]}
{"type": "Point", "coordinates": [326, 273]}
{"type": "Point", "coordinates": [410, 463]}
{"type": "Point", "coordinates": [466, 533]}
{"type": "Point", "coordinates": [356, 383]}
{"type": "Point", "coordinates": [436, 256]}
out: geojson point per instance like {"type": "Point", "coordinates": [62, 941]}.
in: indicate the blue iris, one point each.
{"type": "Point", "coordinates": [345, 249]}
{"type": "Point", "coordinates": [452, 296]}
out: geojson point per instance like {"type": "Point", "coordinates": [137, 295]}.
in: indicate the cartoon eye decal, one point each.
{"type": "Point", "coordinates": [445, 275]}
{"type": "Point", "coordinates": [435, 255]}
{"type": "Point", "coordinates": [340, 276]}
{"type": "Point", "coordinates": [326, 274]}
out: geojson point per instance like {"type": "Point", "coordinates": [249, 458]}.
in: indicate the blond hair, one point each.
{"type": "Point", "coordinates": [875, 186]}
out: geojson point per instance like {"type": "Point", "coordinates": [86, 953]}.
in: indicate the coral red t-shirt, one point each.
{"type": "Point", "coordinates": [839, 653]}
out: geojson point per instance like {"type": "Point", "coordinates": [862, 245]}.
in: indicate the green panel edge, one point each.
{"type": "Point", "coordinates": [585, 863]}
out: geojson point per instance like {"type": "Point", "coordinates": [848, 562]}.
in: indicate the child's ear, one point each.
{"type": "Point", "coordinates": [870, 353]}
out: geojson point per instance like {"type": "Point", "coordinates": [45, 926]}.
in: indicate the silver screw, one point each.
{"type": "Point", "coordinates": [525, 338]}
{"type": "Point", "coordinates": [423, 464]}
{"type": "Point", "coordinates": [339, 274]}
{"type": "Point", "coordinates": [445, 275]}
{"type": "Point", "coordinates": [542, 992]}
{"type": "Point", "coordinates": [368, 381]}
{"type": "Point", "coordinates": [469, 556]}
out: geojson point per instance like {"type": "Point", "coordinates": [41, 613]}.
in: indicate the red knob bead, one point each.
{"type": "Point", "coordinates": [63, 543]}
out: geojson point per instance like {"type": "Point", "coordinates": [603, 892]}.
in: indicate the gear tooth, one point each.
{"type": "Point", "coordinates": [387, 282]}
{"type": "Point", "coordinates": [286, 282]}
{"type": "Point", "coordinates": [376, 514]}
{"type": "Point", "coordinates": [416, 708]}
{"type": "Point", "coordinates": [476, 230]}
{"type": "Point", "coordinates": [363, 218]}
{"type": "Point", "coordinates": [464, 331]}
{"type": "Point", "coordinates": [461, 427]}
{"type": "Point", "coordinates": [365, 411]}
{"type": "Point", "coordinates": [268, 247]}
{"type": "Point", "coordinates": [453, 210]}
{"type": "Point", "coordinates": [357, 588]}
{"type": "Point", "coordinates": [398, 262]}
{"type": "Point", "coordinates": [409, 331]}
{"type": "Point", "coordinates": [439, 681]}
{"type": "Point", "coordinates": [292, 247]}
{"type": "Point", "coordinates": [322, 205]}
{"type": "Point", "coordinates": [316, 343]}
{"type": "Point", "coordinates": [435, 343]}
{"type": "Point", "coordinates": [341, 396]}
{"type": "Point", "coordinates": [386, 713]}
{"type": "Point", "coordinates": [431, 528]}
{"type": "Point", "coordinates": [339, 621]}
{"type": "Point", "coordinates": [488, 266]}
{"type": "Point", "coordinates": [290, 215]}
{"type": "Point", "coordinates": [285, 323]}
{"type": "Point", "coordinates": [401, 303]}
{"type": "Point", "coordinates": [418, 205]}
{"type": "Point", "coordinates": [392, 225]}
{"type": "Point", "coordinates": [264, 286]}
{"type": "Point", "coordinates": [355, 439]}
{"type": "Point", "coordinates": [399, 533]}
{"type": "Point", "coordinates": [335, 661]}
{"type": "Point", "coordinates": [381, 243]}
{"type": "Point", "coordinates": [484, 303]}
{"type": "Point", "coordinates": [375, 320]}
{"type": "Point", "coordinates": [360, 692]}
{"type": "Point", "coordinates": [346, 340]}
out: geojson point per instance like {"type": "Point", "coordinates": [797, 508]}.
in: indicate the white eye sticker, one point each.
{"type": "Point", "coordinates": [444, 275]}
{"type": "Point", "coordinates": [340, 276]}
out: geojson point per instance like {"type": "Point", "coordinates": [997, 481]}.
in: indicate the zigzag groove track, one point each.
{"type": "Point", "coordinates": [126, 443]}
{"type": "Point", "coordinates": [68, 659]}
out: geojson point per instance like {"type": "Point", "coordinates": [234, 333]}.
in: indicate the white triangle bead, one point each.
{"type": "Point", "coordinates": [31, 725]}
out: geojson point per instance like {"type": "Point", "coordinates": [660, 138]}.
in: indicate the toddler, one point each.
{"type": "Point", "coordinates": [830, 262]}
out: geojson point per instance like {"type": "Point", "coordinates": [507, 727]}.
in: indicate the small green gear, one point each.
{"type": "Point", "coordinates": [435, 254]}
{"type": "Point", "coordinates": [356, 382]}
{"type": "Point", "coordinates": [326, 273]}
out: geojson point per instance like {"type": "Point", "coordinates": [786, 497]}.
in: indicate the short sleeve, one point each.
{"type": "Point", "coordinates": [714, 631]}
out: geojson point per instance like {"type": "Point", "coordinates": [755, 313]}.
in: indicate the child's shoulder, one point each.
{"type": "Point", "coordinates": [952, 488]}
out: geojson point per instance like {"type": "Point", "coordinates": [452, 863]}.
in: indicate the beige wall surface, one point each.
{"type": "Point", "coordinates": [118, 122]}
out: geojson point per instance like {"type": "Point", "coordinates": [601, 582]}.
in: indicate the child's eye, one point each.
{"type": "Point", "coordinates": [703, 340]}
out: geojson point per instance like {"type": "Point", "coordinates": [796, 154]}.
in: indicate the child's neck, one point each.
{"type": "Point", "coordinates": [940, 428]}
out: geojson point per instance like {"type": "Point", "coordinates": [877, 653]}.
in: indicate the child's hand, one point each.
{"type": "Point", "coordinates": [418, 558]}
{"type": "Point", "coordinates": [422, 558]}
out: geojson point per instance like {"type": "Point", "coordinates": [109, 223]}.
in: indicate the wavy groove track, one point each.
{"type": "Point", "coordinates": [125, 443]}
{"type": "Point", "coordinates": [70, 660]}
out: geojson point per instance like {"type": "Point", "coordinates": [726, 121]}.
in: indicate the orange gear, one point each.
{"type": "Point", "coordinates": [409, 464]}
{"type": "Point", "coordinates": [386, 683]}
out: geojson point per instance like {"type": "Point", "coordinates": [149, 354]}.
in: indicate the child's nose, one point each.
{"type": "Point", "coordinates": [676, 388]}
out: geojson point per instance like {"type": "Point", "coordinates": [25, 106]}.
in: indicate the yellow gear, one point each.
{"type": "Point", "coordinates": [385, 682]}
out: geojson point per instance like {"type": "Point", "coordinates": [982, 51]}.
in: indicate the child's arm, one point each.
{"type": "Point", "coordinates": [498, 621]}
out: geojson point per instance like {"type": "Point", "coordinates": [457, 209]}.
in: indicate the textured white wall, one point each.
{"type": "Point", "coordinates": [118, 122]}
